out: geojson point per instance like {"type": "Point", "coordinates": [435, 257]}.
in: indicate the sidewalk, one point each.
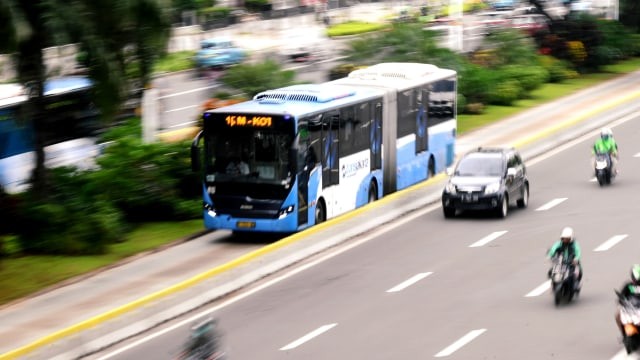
{"type": "Point", "coordinates": [116, 303]}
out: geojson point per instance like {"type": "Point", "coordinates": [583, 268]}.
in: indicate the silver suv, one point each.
{"type": "Point", "coordinates": [487, 179]}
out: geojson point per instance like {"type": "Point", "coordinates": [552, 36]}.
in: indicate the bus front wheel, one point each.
{"type": "Point", "coordinates": [320, 213]}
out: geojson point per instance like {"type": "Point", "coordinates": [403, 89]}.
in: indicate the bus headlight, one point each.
{"type": "Point", "coordinates": [210, 210]}
{"type": "Point", "coordinates": [284, 212]}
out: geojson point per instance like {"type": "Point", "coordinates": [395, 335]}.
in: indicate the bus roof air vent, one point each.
{"type": "Point", "coordinates": [270, 97]}
{"type": "Point", "coordinates": [306, 93]}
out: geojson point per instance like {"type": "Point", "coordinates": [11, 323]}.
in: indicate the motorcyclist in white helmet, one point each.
{"type": "Point", "coordinates": [607, 144]}
{"type": "Point", "coordinates": [570, 249]}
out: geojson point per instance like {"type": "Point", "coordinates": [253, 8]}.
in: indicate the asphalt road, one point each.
{"type": "Point", "coordinates": [472, 287]}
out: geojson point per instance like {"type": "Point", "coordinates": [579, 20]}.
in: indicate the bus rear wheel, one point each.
{"type": "Point", "coordinates": [320, 213]}
{"type": "Point", "coordinates": [373, 192]}
{"type": "Point", "coordinates": [431, 169]}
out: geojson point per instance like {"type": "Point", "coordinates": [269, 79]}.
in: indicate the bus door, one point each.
{"type": "Point", "coordinates": [306, 162]}
{"type": "Point", "coordinates": [376, 137]}
{"type": "Point", "coordinates": [422, 132]}
{"type": "Point", "coordinates": [330, 166]}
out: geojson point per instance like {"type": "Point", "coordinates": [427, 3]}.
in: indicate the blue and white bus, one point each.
{"type": "Point", "coordinates": [71, 122]}
{"type": "Point", "coordinates": [311, 152]}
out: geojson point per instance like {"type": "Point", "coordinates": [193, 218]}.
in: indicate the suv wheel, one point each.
{"type": "Point", "coordinates": [503, 207]}
{"type": "Point", "coordinates": [524, 201]}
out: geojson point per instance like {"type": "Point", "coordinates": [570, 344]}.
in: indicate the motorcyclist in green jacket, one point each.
{"type": "Point", "coordinates": [607, 144]}
{"type": "Point", "coordinates": [569, 249]}
{"type": "Point", "coordinates": [630, 289]}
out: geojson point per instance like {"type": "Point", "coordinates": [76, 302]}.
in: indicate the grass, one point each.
{"type": "Point", "coordinates": [353, 28]}
{"type": "Point", "coordinates": [23, 276]}
{"type": "Point", "coordinates": [172, 62]}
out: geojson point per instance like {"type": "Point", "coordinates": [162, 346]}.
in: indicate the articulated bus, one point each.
{"type": "Point", "coordinates": [299, 155]}
{"type": "Point", "coordinates": [71, 122]}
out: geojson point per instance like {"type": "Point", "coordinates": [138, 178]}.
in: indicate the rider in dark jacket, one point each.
{"type": "Point", "coordinates": [631, 289]}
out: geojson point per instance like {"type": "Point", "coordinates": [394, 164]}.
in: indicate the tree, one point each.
{"type": "Point", "coordinates": [121, 39]}
{"type": "Point", "coordinates": [630, 14]}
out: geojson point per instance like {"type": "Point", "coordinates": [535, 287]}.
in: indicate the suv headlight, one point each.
{"type": "Point", "coordinates": [492, 188]}
{"type": "Point", "coordinates": [450, 188]}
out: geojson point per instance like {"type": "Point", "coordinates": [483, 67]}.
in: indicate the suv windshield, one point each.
{"type": "Point", "coordinates": [483, 165]}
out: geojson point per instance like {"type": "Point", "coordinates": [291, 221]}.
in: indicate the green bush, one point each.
{"type": "Point", "coordinates": [474, 82]}
{"type": "Point", "coordinates": [529, 77]}
{"type": "Point", "coordinates": [605, 55]}
{"type": "Point", "coordinates": [505, 92]}
{"type": "Point", "coordinates": [558, 70]}
{"type": "Point", "coordinates": [69, 223]}
{"type": "Point", "coordinates": [215, 12]}
{"type": "Point", "coordinates": [461, 103]}
{"type": "Point", "coordinates": [615, 39]}
{"type": "Point", "coordinates": [255, 5]}
{"type": "Point", "coordinates": [147, 182]}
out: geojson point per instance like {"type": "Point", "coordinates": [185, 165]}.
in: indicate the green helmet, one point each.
{"type": "Point", "coordinates": [635, 274]}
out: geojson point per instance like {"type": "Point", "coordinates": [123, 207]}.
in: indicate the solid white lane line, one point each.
{"type": "Point", "coordinates": [487, 239]}
{"type": "Point", "coordinates": [182, 124]}
{"type": "Point", "coordinates": [540, 289]}
{"type": "Point", "coordinates": [182, 108]}
{"type": "Point", "coordinates": [551, 204]}
{"type": "Point", "coordinates": [610, 243]}
{"type": "Point", "coordinates": [405, 284]}
{"type": "Point", "coordinates": [460, 343]}
{"type": "Point", "coordinates": [188, 91]}
{"type": "Point", "coordinates": [308, 337]}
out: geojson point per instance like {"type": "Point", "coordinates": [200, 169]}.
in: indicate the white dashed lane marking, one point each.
{"type": "Point", "coordinates": [487, 239]}
{"type": "Point", "coordinates": [405, 284]}
{"type": "Point", "coordinates": [610, 243]}
{"type": "Point", "coordinates": [308, 337]}
{"type": "Point", "coordinates": [460, 343]}
{"type": "Point", "coordinates": [551, 204]}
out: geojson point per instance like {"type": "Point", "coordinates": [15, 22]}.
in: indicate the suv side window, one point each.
{"type": "Point", "coordinates": [512, 161]}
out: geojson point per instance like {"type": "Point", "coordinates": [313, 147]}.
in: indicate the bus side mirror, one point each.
{"type": "Point", "coordinates": [195, 153]}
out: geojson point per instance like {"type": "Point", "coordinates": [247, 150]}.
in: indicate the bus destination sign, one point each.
{"type": "Point", "coordinates": [249, 121]}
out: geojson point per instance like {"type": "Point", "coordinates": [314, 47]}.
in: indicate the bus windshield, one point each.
{"type": "Point", "coordinates": [254, 154]}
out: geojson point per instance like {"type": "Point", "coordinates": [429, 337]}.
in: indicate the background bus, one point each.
{"type": "Point", "coordinates": [71, 122]}
{"type": "Point", "coordinates": [312, 152]}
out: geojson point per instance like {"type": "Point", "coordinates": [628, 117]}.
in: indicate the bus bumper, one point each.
{"type": "Point", "coordinates": [288, 223]}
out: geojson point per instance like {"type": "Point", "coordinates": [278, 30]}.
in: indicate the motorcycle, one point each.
{"type": "Point", "coordinates": [603, 168]}
{"type": "Point", "coordinates": [629, 309]}
{"type": "Point", "coordinates": [203, 343]}
{"type": "Point", "coordinates": [563, 282]}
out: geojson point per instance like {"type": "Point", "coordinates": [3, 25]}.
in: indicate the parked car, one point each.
{"type": "Point", "coordinates": [530, 23]}
{"type": "Point", "coordinates": [218, 53]}
{"type": "Point", "coordinates": [491, 178]}
{"type": "Point", "coordinates": [490, 21]}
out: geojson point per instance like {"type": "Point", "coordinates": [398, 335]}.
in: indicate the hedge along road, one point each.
{"type": "Point", "coordinates": [153, 303]}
